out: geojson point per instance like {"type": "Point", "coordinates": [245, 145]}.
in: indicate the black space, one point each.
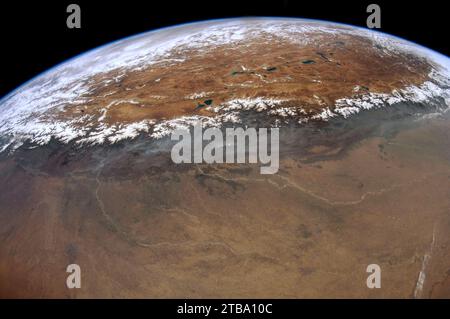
{"type": "Point", "coordinates": [35, 36]}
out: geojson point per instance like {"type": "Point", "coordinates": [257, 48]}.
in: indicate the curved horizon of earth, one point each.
{"type": "Point", "coordinates": [86, 175]}
{"type": "Point", "coordinates": [97, 97]}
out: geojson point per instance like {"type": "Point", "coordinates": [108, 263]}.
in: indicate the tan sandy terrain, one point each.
{"type": "Point", "coordinates": [159, 230]}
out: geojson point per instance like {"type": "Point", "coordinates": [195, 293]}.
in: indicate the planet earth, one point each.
{"type": "Point", "coordinates": [364, 174]}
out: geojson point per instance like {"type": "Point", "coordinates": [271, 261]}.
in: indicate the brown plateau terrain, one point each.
{"type": "Point", "coordinates": [312, 77]}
